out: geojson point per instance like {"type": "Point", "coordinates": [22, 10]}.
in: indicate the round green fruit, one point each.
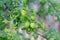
{"type": "Point", "coordinates": [32, 25]}
{"type": "Point", "coordinates": [27, 24]}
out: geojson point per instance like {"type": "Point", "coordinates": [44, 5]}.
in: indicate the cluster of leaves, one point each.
{"type": "Point", "coordinates": [18, 11]}
{"type": "Point", "coordinates": [51, 34]}
{"type": "Point", "coordinates": [9, 36]}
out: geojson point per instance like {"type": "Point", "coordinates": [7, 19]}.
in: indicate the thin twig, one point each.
{"type": "Point", "coordinates": [40, 35]}
{"type": "Point", "coordinates": [52, 5]}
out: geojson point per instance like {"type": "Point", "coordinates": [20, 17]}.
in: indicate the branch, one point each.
{"type": "Point", "coordinates": [40, 35]}
{"type": "Point", "coordinates": [52, 5]}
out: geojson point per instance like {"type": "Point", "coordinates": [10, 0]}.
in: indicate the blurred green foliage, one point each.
{"type": "Point", "coordinates": [18, 11]}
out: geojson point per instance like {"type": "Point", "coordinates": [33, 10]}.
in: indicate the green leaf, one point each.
{"type": "Point", "coordinates": [35, 36]}
{"type": "Point", "coordinates": [17, 37]}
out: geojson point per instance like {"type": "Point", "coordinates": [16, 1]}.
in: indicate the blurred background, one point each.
{"type": "Point", "coordinates": [48, 20]}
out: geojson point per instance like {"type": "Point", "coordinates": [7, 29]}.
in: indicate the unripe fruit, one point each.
{"type": "Point", "coordinates": [27, 24]}
{"type": "Point", "coordinates": [32, 25]}
{"type": "Point", "coordinates": [23, 13]}
{"type": "Point", "coordinates": [32, 17]}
